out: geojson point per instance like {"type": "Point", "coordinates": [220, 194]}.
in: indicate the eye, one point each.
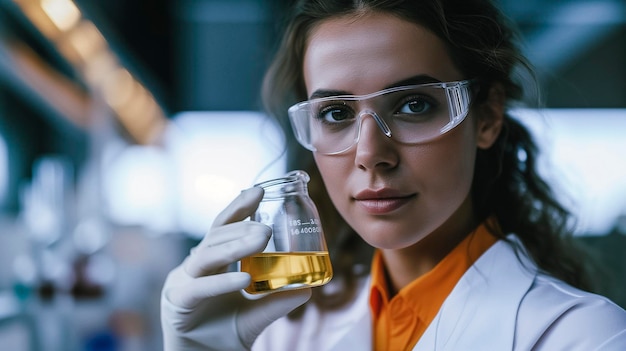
{"type": "Point", "coordinates": [415, 105]}
{"type": "Point", "coordinates": [334, 114]}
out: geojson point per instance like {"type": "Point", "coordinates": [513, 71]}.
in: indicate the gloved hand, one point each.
{"type": "Point", "coordinates": [202, 306]}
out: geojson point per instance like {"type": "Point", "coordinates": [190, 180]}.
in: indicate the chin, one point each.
{"type": "Point", "coordinates": [397, 241]}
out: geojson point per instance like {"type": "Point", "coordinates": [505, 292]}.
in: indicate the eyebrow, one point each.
{"type": "Point", "coordinates": [419, 79]}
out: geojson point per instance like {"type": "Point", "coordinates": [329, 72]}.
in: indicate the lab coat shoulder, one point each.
{"type": "Point", "coordinates": [557, 316]}
{"type": "Point", "coordinates": [504, 302]}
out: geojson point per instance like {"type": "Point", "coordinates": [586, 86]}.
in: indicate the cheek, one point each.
{"type": "Point", "coordinates": [331, 168]}
{"type": "Point", "coordinates": [335, 171]}
{"type": "Point", "coordinates": [446, 166]}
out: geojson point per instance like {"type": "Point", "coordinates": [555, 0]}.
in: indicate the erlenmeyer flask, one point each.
{"type": "Point", "coordinates": [296, 255]}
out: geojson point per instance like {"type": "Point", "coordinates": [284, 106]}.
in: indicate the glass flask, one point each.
{"type": "Point", "coordinates": [296, 255]}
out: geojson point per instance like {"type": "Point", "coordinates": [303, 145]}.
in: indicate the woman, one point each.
{"type": "Point", "coordinates": [404, 107]}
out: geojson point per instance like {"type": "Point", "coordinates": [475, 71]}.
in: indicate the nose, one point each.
{"type": "Point", "coordinates": [374, 149]}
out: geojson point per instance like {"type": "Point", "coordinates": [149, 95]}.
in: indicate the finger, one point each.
{"type": "Point", "coordinates": [240, 208]}
{"type": "Point", "coordinates": [207, 260]}
{"type": "Point", "coordinates": [190, 294]}
{"type": "Point", "coordinates": [232, 232]}
{"type": "Point", "coordinates": [263, 312]}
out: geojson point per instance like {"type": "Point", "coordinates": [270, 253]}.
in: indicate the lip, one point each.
{"type": "Point", "coordinates": [382, 201]}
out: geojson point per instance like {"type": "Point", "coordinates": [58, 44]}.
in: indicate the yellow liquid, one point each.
{"type": "Point", "coordinates": [282, 271]}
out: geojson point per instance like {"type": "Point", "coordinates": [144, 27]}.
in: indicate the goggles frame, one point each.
{"type": "Point", "coordinates": [458, 97]}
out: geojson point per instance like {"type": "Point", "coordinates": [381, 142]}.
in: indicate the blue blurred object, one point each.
{"type": "Point", "coordinates": [102, 341]}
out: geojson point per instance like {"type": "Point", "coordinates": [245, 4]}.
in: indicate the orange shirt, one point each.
{"type": "Point", "coordinates": [399, 322]}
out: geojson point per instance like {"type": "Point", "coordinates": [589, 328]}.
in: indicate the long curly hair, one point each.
{"type": "Point", "coordinates": [485, 46]}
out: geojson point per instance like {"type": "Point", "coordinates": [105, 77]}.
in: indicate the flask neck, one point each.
{"type": "Point", "coordinates": [282, 188]}
{"type": "Point", "coordinates": [293, 183]}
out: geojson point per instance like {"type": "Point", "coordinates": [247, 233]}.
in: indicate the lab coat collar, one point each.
{"type": "Point", "coordinates": [481, 311]}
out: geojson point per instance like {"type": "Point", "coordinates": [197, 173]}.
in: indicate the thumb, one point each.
{"type": "Point", "coordinates": [260, 313]}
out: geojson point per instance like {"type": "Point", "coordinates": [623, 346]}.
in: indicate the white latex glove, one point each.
{"type": "Point", "coordinates": [202, 306]}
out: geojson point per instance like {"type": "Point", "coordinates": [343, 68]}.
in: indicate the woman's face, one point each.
{"type": "Point", "coordinates": [392, 194]}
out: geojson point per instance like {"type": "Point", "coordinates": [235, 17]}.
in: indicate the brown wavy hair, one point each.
{"type": "Point", "coordinates": [484, 45]}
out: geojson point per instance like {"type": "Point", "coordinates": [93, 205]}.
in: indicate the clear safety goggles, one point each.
{"type": "Point", "coordinates": [409, 114]}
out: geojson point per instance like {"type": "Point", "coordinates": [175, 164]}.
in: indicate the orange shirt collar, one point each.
{"type": "Point", "coordinates": [400, 321]}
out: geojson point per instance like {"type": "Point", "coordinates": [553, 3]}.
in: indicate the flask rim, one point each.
{"type": "Point", "coordinates": [293, 176]}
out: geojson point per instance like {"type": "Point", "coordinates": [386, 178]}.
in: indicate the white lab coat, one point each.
{"type": "Point", "coordinates": [501, 303]}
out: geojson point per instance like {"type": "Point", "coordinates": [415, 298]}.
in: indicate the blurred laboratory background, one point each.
{"type": "Point", "coordinates": [127, 125]}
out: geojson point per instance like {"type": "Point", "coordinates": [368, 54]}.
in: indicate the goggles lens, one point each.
{"type": "Point", "coordinates": [408, 114]}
